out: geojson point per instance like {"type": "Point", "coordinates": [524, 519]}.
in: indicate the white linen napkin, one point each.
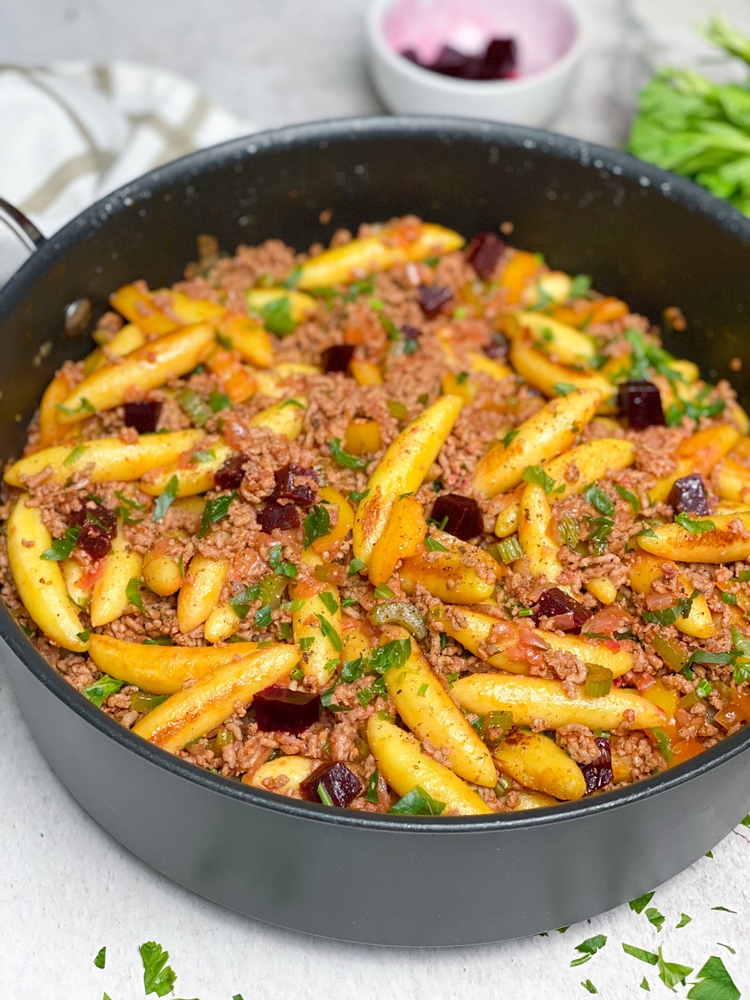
{"type": "Point", "coordinates": [73, 131]}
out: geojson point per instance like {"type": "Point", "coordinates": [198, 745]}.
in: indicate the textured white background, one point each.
{"type": "Point", "coordinates": [66, 888]}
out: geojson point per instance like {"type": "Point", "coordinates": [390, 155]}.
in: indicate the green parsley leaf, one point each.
{"type": "Point", "coordinates": [665, 748]}
{"type": "Point", "coordinates": [639, 904]}
{"type": "Point", "coordinates": [285, 630]}
{"type": "Point", "coordinates": [329, 601]}
{"type": "Point", "coordinates": [684, 921]}
{"type": "Point", "coordinates": [588, 985]}
{"type": "Point", "coordinates": [291, 402]}
{"type": "Point", "coordinates": [83, 407]}
{"type": "Point", "coordinates": [364, 287]}
{"type": "Point", "coordinates": [165, 500]}
{"type": "Point", "coordinates": [631, 498]}
{"type": "Point", "coordinates": [279, 565]}
{"type": "Point", "coordinates": [390, 327]}
{"type": "Point", "coordinates": [84, 636]}
{"type": "Point", "coordinates": [390, 654]}
{"type": "Point", "coordinates": [214, 511]}
{"type": "Point", "coordinates": [728, 598]}
{"type": "Point", "coordinates": [356, 566]}
{"type": "Point", "coordinates": [317, 524]}
{"type": "Point", "coordinates": [694, 527]}
{"type": "Point", "coordinates": [644, 985]}
{"type": "Point", "coordinates": [159, 640]}
{"type": "Point", "coordinates": [352, 670]}
{"type": "Point", "coordinates": [364, 696]}
{"type": "Point", "coordinates": [655, 918]}
{"type": "Point", "coordinates": [640, 954]}
{"type": "Point", "coordinates": [277, 317]}
{"type": "Point", "coordinates": [745, 821]}
{"type": "Point", "coordinates": [62, 547]}
{"type": "Point", "coordinates": [355, 496]}
{"type": "Point", "coordinates": [262, 617]}
{"type": "Point", "coordinates": [101, 958]}
{"type": "Point", "coordinates": [330, 633]}
{"type": "Point", "coordinates": [535, 474]}
{"type": "Point", "coordinates": [671, 973]}
{"type": "Point", "coordinates": [418, 802]}
{"type": "Point", "coordinates": [599, 499]}
{"type": "Point", "coordinates": [668, 616]}
{"type": "Point", "coordinates": [579, 286]}
{"type": "Point", "coordinates": [588, 948]}
{"type": "Point", "coordinates": [729, 948]}
{"type": "Point", "coordinates": [203, 455]}
{"type": "Point", "coordinates": [600, 528]}
{"type": "Point", "coordinates": [564, 388]}
{"type": "Point", "coordinates": [704, 656]}
{"type": "Point", "coordinates": [422, 690]}
{"type": "Point", "coordinates": [241, 601]}
{"type": "Point", "coordinates": [101, 689]}
{"type": "Point", "coordinates": [509, 437]}
{"type": "Point", "coordinates": [371, 793]}
{"type": "Point", "coordinates": [133, 593]}
{"type": "Point", "coordinates": [384, 592]}
{"type": "Point", "coordinates": [433, 545]}
{"type": "Point", "coordinates": [723, 909]}
{"type": "Point", "coordinates": [158, 977]}
{"type": "Point", "coordinates": [343, 458]}
{"type": "Point", "coordinates": [74, 455]}
{"type": "Point", "coordinates": [708, 854]}
{"type": "Point", "coordinates": [291, 281]}
{"type": "Point", "coordinates": [219, 401]}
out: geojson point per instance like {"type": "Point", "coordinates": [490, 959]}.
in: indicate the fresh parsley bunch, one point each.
{"type": "Point", "coordinates": [697, 128]}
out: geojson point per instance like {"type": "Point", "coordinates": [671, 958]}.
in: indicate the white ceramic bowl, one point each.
{"type": "Point", "coordinates": [532, 99]}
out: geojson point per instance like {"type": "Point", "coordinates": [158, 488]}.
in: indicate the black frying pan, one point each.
{"type": "Point", "coordinates": [644, 235]}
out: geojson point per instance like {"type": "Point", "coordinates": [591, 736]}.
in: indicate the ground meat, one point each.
{"type": "Point", "coordinates": [579, 742]}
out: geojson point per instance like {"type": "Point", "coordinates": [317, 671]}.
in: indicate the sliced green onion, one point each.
{"type": "Point", "coordinates": [598, 680]}
{"type": "Point", "coordinates": [506, 551]}
{"type": "Point", "coordinates": [496, 726]}
{"type": "Point", "coordinates": [569, 531]}
{"type": "Point", "coordinates": [688, 700]}
{"type": "Point", "coordinates": [193, 406]}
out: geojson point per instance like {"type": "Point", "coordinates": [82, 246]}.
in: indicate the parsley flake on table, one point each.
{"type": "Point", "coordinates": [588, 985]}
{"type": "Point", "coordinates": [101, 958]}
{"type": "Point", "coordinates": [672, 973]}
{"type": "Point", "coordinates": [715, 983]}
{"type": "Point", "coordinates": [724, 909]}
{"type": "Point", "coordinates": [158, 977]}
{"type": "Point", "coordinates": [639, 904]}
{"type": "Point", "coordinates": [684, 921]}
{"type": "Point", "coordinates": [589, 948]}
{"type": "Point", "coordinates": [640, 953]}
{"type": "Point", "coordinates": [654, 917]}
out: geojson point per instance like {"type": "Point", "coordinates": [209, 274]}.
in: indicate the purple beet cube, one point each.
{"type": "Point", "coordinates": [688, 495]}
{"type": "Point", "coordinates": [98, 528]}
{"type": "Point", "coordinates": [278, 709]}
{"type": "Point", "coordinates": [432, 298]}
{"type": "Point", "coordinates": [640, 403]}
{"type": "Point", "coordinates": [451, 62]}
{"type": "Point", "coordinates": [278, 515]}
{"type": "Point", "coordinates": [501, 57]}
{"type": "Point", "coordinates": [484, 252]}
{"type": "Point", "coordinates": [598, 774]}
{"type": "Point", "coordinates": [337, 357]}
{"type": "Point", "coordinates": [143, 416]}
{"type": "Point", "coordinates": [289, 487]}
{"type": "Point", "coordinates": [340, 782]}
{"type": "Point", "coordinates": [465, 519]}
{"type": "Point", "coordinates": [231, 473]}
{"type": "Point", "coordinates": [566, 614]}
{"type": "Point", "coordinates": [497, 349]}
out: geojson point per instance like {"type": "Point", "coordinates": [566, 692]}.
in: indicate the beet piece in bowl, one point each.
{"type": "Point", "coordinates": [565, 613]}
{"type": "Point", "coordinates": [464, 516]}
{"type": "Point", "coordinates": [98, 528]}
{"type": "Point", "coordinates": [640, 403]}
{"type": "Point", "coordinates": [688, 495]}
{"type": "Point", "coordinates": [277, 709]}
{"type": "Point", "coordinates": [484, 252]}
{"type": "Point", "coordinates": [144, 416]}
{"type": "Point", "coordinates": [336, 780]}
{"type": "Point", "coordinates": [337, 357]}
{"type": "Point", "coordinates": [432, 298]}
{"type": "Point", "coordinates": [599, 774]}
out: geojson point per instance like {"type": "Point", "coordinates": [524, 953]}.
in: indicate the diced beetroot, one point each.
{"type": "Point", "coordinates": [501, 57]}
{"type": "Point", "coordinates": [497, 349]}
{"type": "Point", "coordinates": [143, 416]}
{"type": "Point", "coordinates": [451, 62]}
{"type": "Point", "coordinates": [277, 515]}
{"type": "Point", "coordinates": [432, 298]}
{"type": "Point", "coordinates": [497, 62]}
{"type": "Point", "coordinates": [484, 252]}
{"type": "Point", "coordinates": [341, 783]}
{"type": "Point", "coordinates": [232, 472]}
{"type": "Point", "coordinates": [337, 357]}
{"type": "Point", "coordinates": [288, 488]}
{"type": "Point", "coordinates": [688, 495]}
{"type": "Point", "coordinates": [277, 709]}
{"type": "Point", "coordinates": [640, 403]}
{"type": "Point", "coordinates": [566, 614]}
{"type": "Point", "coordinates": [411, 332]}
{"type": "Point", "coordinates": [98, 528]}
{"type": "Point", "coordinates": [599, 774]}
{"type": "Point", "coordinates": [464, 516]}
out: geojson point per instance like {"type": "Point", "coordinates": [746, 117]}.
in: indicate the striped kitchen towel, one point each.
{"type": "Point", "coordinates": [73, 131]}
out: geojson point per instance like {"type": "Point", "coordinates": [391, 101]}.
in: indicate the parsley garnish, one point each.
{"type": "Point", "coordinates": [352, 670]}
{"type": "Point", "coordinates": [655, 918]}
{"type": "Point", "coordinates": [214, 511]}
{"type": "Point", "coordinates": [330, 633]}
{"type": "Point", "coordinates": [694, 527]}
{"type": "Point", "coordinates": [579, 286]}
{"type": "Point", "coordinates": [277, 317]}
{"type": "Point", "coordinates": [329, 601]}
{"type": "Point", "coordinates": [165, 500]}
{"type": "Point", "coordinates": [291, 281]}
{"type": "Point", "coordinates": [588, 985]}
{"type": "Point", "coordinates": [262, 617]}
{"type": "Point", "coordinates": [668, 616]}
{"type": "Point", "coordinates": [390, 654]}
{"type": "Point", "coordinates": [589, 948]}
{"type": "Point", "coordinates": [684, 921]}
{"type": "Point", "coordinates": [158, 977]}
{"type": "Point", "coordinates": [600, 528]}
{"type": "Point", "coordinates": [355, 496]}
{"type": "Point", "coordinates": [371, 793]}
{"type": "Point", "coordinates": [509, 437]}
{"type": "Point", "coordinates": [384, 592]}
{"type": "Point", "coordinates": [74, 455]}
{"type": "Point", "coordinates": [640, 954]}
{"type": "Point", "coordinates": [535, 474]}
{"type": "Point", "coordinates": [343, 458]}
{"type": "Point", "coordinates": [631, 498]}
{"type": "Point", "coordinates": [418, 802]}
{"type": "Point", "coordinates": [356, 566]}
{"type": "Point", "coordinates": [639, 904]}
{"type": "Point", "coordinates": [100, 690]}
{"type": "Point", "coordinates": [101, 958]}
{"type": "Point", "coordinates": [291, 402]}
{"type": "Point", "coordinates": [203, 455]}
{"type": "Point", "coordinates": [563, 388]}
{"type": "Point", "coordinates": [279, 565]}
{"type": "Point", "coordinates": [83, 407]}
{"type": "Point", "coordinates": [133, 593]}
{"type": "Point", "coordinates": [84, 636]}
{"type": "Point", "coordinates": [219, 401]}
{"type": "Point", "coordinates": [242, 600]}
{"type": "Point", "coordinates": [125, 507]}
{"type": "Point", "coordinates": [316, 525]}
{"type": "Point", "coordinates": [671, 973]}
{"type": "Point", "coordinates": [715, 983]}
{"type": "Point", "coordinates": [599, 499]}
{"type": "Point", "coordinates": [433, 545]}
{"type": "Point", "coordinates": [62, 547]}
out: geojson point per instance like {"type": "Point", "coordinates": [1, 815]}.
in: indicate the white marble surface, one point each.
{"type": "Point", "coordinates": [66, 888]}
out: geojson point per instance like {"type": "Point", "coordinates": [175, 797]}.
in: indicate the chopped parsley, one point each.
{"type": "Point", "coordinates": [371, 792]}
{"type": "Point", "coordinates": [384, 592]}
{"type": "Point", "coordinates": [203, 455]}
{"type": "Point", "coordinates": [101, 958]}
{"type": "Point", "coordinates": [509, 437]}
{"type": "Point", "coordinates": [127, 505]}
{"type": "Point", "coordinates": [262, 617]}
{"type": "Point", "coordinates": [330, 633]}
{"type": "Point", "coordinates": [219, 401]}
{"type": "Point", "coordinates": [84, 636]}
{"type": "Point", "coordinates": [600, 528]}
{"type": "Point", "coordinates": [684, 921]}
{"type": "Point", "coordinates": [640, 954]}
{"type": "Point", "coordinates": [133, 593]}
{"type": "Point", "coordinates": [165, 500]}
{"type": "Point", "coordinates": [714, 982]}
{"type": "Point", "coordinates": [277, 317]}
{"type": "Point", "coordinates": [631, 498]}
{"type": "Point", "coordinates": [433, 545]}
{"type": "Point", "coordinates": [83, 407]}
{"type": "Point", "coordinates": [74, 455]}
{"type": "Point", "coordinates": [242, 600]}
{"type": "Point", "coordinates": [599, 500]}
{"type": "Point", "coordinates": [329, 601]}
{"type": "Point", "coordinates": [352, 670]}
{"type": "Point", "coordinates": [564, 388]}
{"type": "Point", "coordinates": [671, 973]}
{"type": "Point", "coordinates": [281, 566]}
{"type": "Point", "coordinates": [655, 918]}
{"type": "Point", "coordinates": [589, 948]}
{"type": "Point", "coordinates": [343, 458]}
{"type": "Point", "coordinates": [98, 692]}
{"type": "Point", "coordinates": [579, 286]}
{"type": "Point", "coordinates": [724, 909]}
{"type": "Point", "coordinates": [638, 905]}
{"type": "Point", "coordinates": [668, 616]}
{"type": "Point", "coordinates": [316, 525]}
{"type": "Point", "coordinates": [694, 527]}
{"type": "Point", "coordinates": [158, 977]}
{"type": "Point", "coordinates": [62, 547]}
{"type": "Point", "coordinates": [588, 985]}
{"type": "Point", "coordinates": [355, 496]}
{"type": "Point", "coordinates": [214, 511]}
{"type": "Point", "coordinates": [356, 566]}
{"type": "Point", "coordinates": [418, 802]}
{"type": "Point", "coordinates": [390, 654]}
{"type": "Point", "coordinates": [535, 474]}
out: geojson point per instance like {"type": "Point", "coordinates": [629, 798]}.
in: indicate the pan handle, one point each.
{"type": "Point", "coordinates": [22, 227]}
